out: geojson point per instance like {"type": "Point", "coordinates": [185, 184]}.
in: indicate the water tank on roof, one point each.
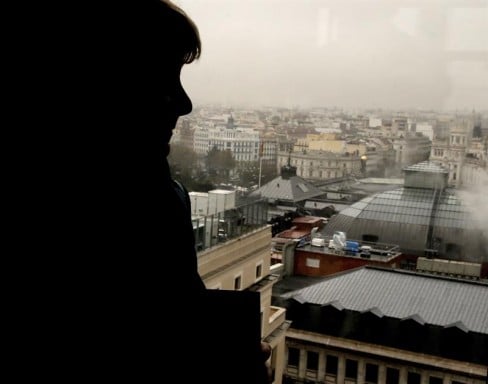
{"type": "Point", "coordinates": [339, 239]}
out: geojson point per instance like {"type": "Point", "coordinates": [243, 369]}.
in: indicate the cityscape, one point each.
{"type": "Point", "coordinates": [336, 159]}
{"type": "Point", "coordinates": [295, 203]}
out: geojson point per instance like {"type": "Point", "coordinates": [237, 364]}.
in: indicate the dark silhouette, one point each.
{"type": "Point", "coordinates": [125, 300]}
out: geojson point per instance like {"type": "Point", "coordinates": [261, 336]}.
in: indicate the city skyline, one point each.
{"type": "Point", "coordinates": [352, 54]}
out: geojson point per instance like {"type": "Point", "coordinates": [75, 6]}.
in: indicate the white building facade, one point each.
{"type": "Point", "coordinates": [242, 142]}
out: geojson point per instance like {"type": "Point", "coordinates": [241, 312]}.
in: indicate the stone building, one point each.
{"type": "Point", "coordinates": [242, 261]}
{"type": "Point", "coordinates": [321, 165]}
{"type": "Point", "coordinates": [242, 142]}
{"type": "Point", "coordinates": [385, 326]}
{"type": "Point", "coordinates": [451, 150]}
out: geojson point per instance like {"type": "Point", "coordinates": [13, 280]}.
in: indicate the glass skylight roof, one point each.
{"type": "Point", "coordinates": [411, 206]}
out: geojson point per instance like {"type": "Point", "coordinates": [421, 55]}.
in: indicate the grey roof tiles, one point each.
{"type": "Point", "coordinates": [404, 295]}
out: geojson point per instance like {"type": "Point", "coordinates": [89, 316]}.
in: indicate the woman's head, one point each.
{"type": "Point", "coordinates": [177, 42]}
{"type": "Point", "coordinates": [186, 44]}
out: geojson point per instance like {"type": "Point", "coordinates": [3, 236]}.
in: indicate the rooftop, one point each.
{"type": "Point", "coordinates": [379, 252]}
{"type": "Point", "coordinates": [412, 206]}
{"type": "Point", "coordinates": [426, 166]}
{"type": "Point", "coordinates": [436, 300]}
{"type": "Point", "coordinates": [292, 189]}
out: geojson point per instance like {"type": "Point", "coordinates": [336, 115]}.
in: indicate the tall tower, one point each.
{"type": "Point", "coordinates": [230, 122]}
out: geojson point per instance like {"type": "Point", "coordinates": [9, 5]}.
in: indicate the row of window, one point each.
{"type": "Point", "coordinates": [321, 174]}
{"type": "Point", "coordinates": [458, 139]}
{"type": "Point", "coordinates": [238, 279]}
{"type": "Point", "coordinates": [351, 369]}
{"type": "Point", "coordinates": [328, 164]}
{"type": "Point", "coordinates": [236, 143]}
{"type": "Point", "coordinates": [453, 154]}
{"type": "Point", "coordinates": [438, 152]}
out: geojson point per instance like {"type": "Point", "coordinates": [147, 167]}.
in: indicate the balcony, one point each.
{"type": "Point", "coordinates": [276, 317]}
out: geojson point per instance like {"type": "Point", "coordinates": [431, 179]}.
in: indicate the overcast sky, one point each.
{"type": "Point", "coordinates": [346, 53]}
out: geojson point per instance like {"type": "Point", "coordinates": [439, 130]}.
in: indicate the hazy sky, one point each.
{"type": "Point", "coordinates": [346, 53]}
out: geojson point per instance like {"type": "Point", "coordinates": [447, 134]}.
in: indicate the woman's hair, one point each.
{"type": "Point", "coordinates": [182, 32]}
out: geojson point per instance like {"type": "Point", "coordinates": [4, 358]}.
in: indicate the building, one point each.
{"type": "Point", "coordinates": [323, 260]}
{"type": "Point", "coordinates": [287, 192]}
{"type": "Point", "coordinates": [463, 150]}
{"type": "Point", "coordinates": [385, 326]}
{"type": "Point", "coordinates": [328, 156]}
{"type": "Point", "coordinates": [474, 170]}
{"type": "Point", "coordinates": [268, 148]}
{"type": "Point", "coordinates": [299, 232]}
{"type": "Point", "coordinates": [411, 149]}
{"type": "Point", "coordinates": [243, 143]}
{"type": "Point", "coordinates": [451, 150]}
{"type": "Point", "coordinates": [410, 146]}
{"type": "Point", "coordinates": [304, 251]}
{"type": "Point", "coordinates": [321, 165]}
{"type": "Point", "coordinates": [424, 215]}
{"type": "Point", "coordinates": [241, 261]}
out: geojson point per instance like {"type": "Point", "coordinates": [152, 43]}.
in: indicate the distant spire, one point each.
{"type": "Point", "coordinates": [230, 122]}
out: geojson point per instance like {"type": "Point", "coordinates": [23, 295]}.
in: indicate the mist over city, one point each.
{"type": "Point", "coordinates": [352, 54]}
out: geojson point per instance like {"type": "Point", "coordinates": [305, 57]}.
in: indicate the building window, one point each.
{"type": "Point", "coordinates": [413, 378]}
{"type": "Point", "coordinates": [293, 356]}
{"type": "Point", "coordinates": [372, 373]}
{"type": "Point", "coordinates": [392, 375]}
{"type": "Point", "coordinates": [351, 369]}
{"type": "Point", "coordinates": [312, 360]}
{"type": "Point", "coordinates": [259, 270]}
{"type": "Point", "coordinates": [435, 380]}
{"type": "Point", "coordinates": [331, 365]}
{"type": "Point", "coordinates": [237, 283]}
